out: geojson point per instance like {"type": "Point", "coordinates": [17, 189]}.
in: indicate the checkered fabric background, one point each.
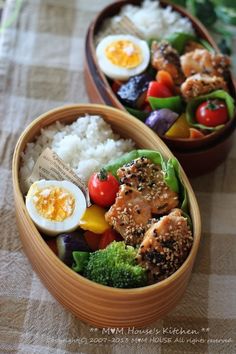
{"type": "Point", "coordinates": [41, 67]}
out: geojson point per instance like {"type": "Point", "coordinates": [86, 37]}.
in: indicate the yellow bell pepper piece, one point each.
{"type": "Point", "coordinates": [180, 128]}
{"type": "Point", "coordinates": [94, 220]}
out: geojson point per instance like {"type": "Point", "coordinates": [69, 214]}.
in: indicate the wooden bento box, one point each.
{"type": "Point", "coordinates": [91, 302]}
{"type": "Point", "coordinates": [197, 156]}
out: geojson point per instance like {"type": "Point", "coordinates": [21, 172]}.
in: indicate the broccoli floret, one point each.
{"type": "Point", "coordinates": [116, 266]}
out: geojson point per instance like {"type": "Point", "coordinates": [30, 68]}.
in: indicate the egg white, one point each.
{"type": "Point", "coordinates": [117, 72]}
{"type": "Point", "coordinates": [50, 227]}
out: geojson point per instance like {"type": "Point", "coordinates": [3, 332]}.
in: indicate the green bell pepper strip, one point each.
{"type": "Point", "coordinates": [195, 102]}
{"type": "Point", "coordinates": [141, 115]}
{"type": "Point", "coordinates": [173, 103]}
{"type": "Point", "coordinates": [80, 260]}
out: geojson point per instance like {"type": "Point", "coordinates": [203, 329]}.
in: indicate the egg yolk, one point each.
{"type": "Point", "coordinates": [54, 203]}
{"type": "Point", "coordinates": [124, 53]}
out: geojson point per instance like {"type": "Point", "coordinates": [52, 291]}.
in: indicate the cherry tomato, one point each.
{"type": "Point", "coordinates": [212, 113]}
{"type": "Point", "coordinates": [103, 187]}
{"type": "Point", "coordinates": [165, 78]}
{"type": "Point", "coordinates": [158, 89]}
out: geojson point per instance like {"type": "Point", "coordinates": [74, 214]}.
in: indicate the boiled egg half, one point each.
{"type": "Point", "coordinates": [55, 206]}
{"type": "Point", "coordinates": [122, 56]}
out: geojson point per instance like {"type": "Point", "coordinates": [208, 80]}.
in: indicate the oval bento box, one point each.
{"type": "Point", "coordinates": [91, 302]}
{"type": "Point", "coordinates": [197, 156]}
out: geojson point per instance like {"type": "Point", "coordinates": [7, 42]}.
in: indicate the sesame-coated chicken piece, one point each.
{"type": "Point", "coordinates": [165, 246]}
{"type": "Point", "coordinates": [165, 57]}
{"type": "Point", "coordinates": [191, 46]}
{"type": "Point", "coordinates": [148, 179]}
{"type": "Point", "coordinates": [130, 215]}
{"type": "Point", "coordinates": [200, 84]}
{"type": "Point", "coordinates": [204, 62]}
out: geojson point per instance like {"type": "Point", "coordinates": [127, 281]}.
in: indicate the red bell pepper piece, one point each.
{"type": "Point", "coordinates": [157, 89]}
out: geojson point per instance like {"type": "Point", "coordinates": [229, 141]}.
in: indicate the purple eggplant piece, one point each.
{"type": "Point", "coordinates": [161, 120]}
{"type": "Point", "coordinates": [133, 92]}
{"type": "Point", "coordinates": [70, 242]}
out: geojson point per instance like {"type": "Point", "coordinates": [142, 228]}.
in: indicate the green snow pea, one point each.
{"type": "Point", "coordinates": [178, 40]}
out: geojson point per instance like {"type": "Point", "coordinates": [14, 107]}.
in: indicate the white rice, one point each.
{"type": "Point", "coordinates": [85, 145]}
{"type": "Point", "coordinates": [152, 20]}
